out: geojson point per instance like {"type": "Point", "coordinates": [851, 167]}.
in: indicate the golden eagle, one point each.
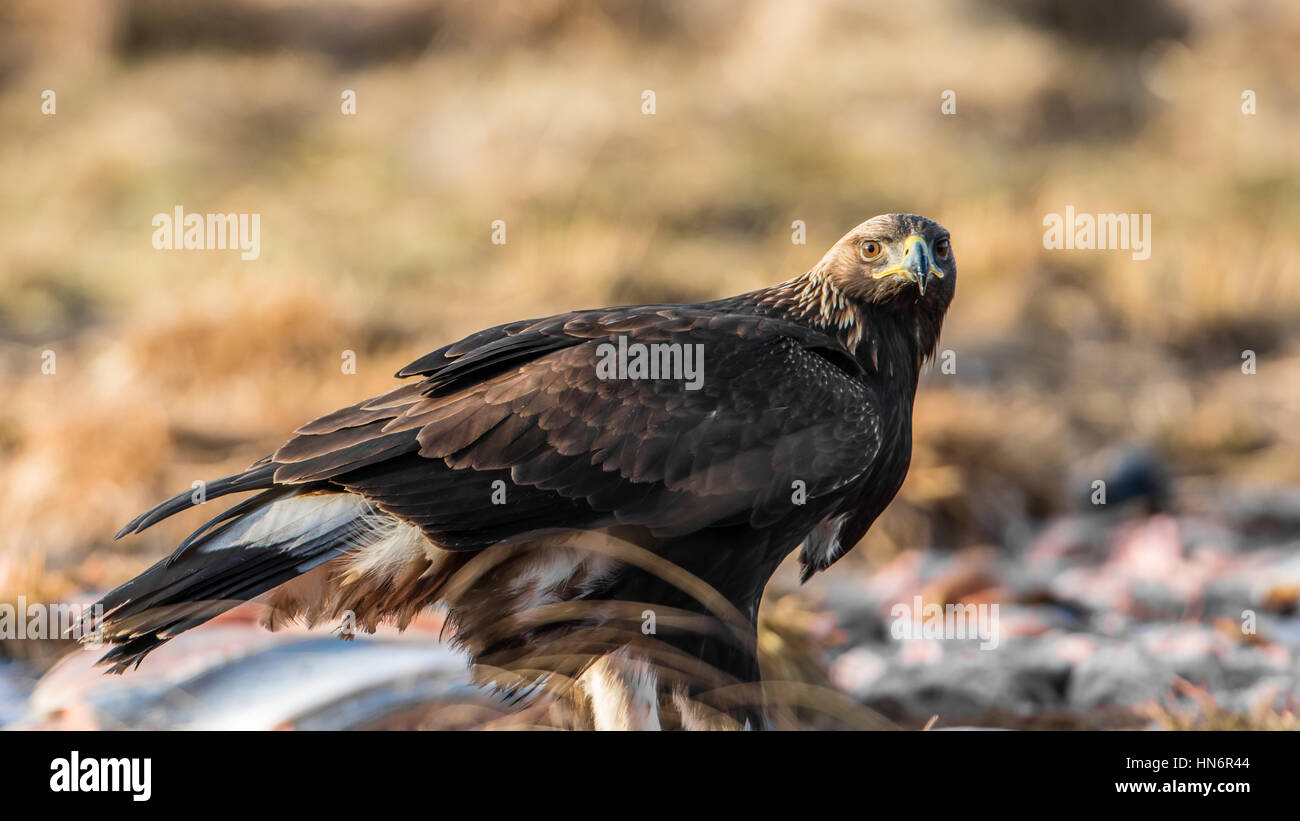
{"type": "Point", "coordinates": [598, 498]}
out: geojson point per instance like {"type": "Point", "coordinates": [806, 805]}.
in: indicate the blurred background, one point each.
{"type": "Point", "coordinates": [376, 229]}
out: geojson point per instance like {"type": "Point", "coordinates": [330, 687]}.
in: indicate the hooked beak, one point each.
{"type": "Point", "coordinates": [916, 265]}
{"type": "Point", "coordinates": [916, 261]}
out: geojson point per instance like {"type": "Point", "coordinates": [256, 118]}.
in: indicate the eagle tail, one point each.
{"type": "Point", "coordinates": [256, 545]}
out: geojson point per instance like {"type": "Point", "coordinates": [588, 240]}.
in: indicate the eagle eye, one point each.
{"type": "Point", "coordinates": [871, 250]}
{"type": "Point", "coordinates": [942, 248]}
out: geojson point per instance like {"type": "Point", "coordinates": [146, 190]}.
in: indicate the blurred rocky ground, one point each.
{"type": "Point", "coordinates": [1108, 618]}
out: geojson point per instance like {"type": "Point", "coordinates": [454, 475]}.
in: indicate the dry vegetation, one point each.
{"type": "Point", "coordinates": [175, 366]}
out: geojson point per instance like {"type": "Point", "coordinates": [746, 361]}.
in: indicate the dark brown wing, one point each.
{"type": "Point", "coordinates": [778, 403]}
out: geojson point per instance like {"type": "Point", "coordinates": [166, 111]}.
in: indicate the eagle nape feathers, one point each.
{"type": "Point", "coordinates": [562, 484]}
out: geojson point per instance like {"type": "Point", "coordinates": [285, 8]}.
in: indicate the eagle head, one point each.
{"type": "Point", "coordinates": [902, 261]}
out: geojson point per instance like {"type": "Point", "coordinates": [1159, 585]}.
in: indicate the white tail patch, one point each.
{"type": "Point", "coordinates": [296, 519]}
